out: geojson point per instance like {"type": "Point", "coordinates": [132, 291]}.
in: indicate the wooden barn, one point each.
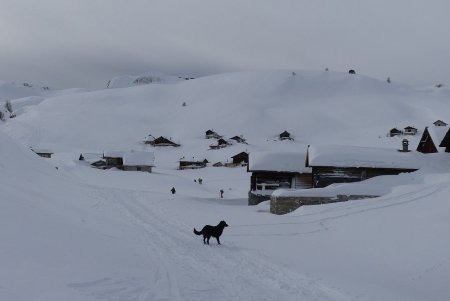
{"type": "Point", "coordinates": [395, 132]}
{"type": "Point", "coordinates": [275, 170]}
{"type": "Point", "coordinates": [209, 134]}
{"type": "Point", "coordinates": [221, 143]}
{"type": "Point", "coordinates": [240, 158]}
{"type": "Point", "coordinates": [161, 141]}
{"type": "Point", "coordinates": [185, 164]}
{"type": "Point", "coordinates": [439, 123]}
{"type": "Point", "coordinates": [409, 130]}
{"type": "Point", "coordinates": [346, 164]}
{"type": "Point", "coordinates": [431, 139]}
{"type": "Point", "coordinates": [285, 136]}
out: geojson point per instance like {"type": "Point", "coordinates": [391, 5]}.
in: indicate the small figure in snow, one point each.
{"type": "Point", "coordinates": [173, 190]}
{"type": "Point", "coordinates": [200, 180]}
{"type": "Point", "coordinates": [81, 158]}
{"type": "Point", "coordinates": [221, 193]}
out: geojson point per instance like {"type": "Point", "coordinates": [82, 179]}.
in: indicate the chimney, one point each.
{"type": "Point", "coordinates": [405, 144]}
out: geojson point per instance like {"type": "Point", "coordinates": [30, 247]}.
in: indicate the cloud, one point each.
{"type": "Point", "coordinates": [84, 43]}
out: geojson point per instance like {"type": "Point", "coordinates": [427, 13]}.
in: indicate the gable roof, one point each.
{"type": "Point", "coordinates": [439, 123]}
{"type": "Point", "coordinates": [278, 161]}
{"type": "Point", "coordinates": [356, 156]}
{"type": "Point", "coordinates": [446, 140]}
{"type": "Point", "coordinates": [436, 134]}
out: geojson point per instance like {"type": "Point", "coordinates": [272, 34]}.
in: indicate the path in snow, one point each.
{"type": "Point", "coordinates": [185, 269]}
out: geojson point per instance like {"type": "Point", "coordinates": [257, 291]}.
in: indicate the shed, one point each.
{"type": "Point", "coordinates": [274, 170]}
{"type": "Point", "coordinates": [431, 139]}
{"type": "Point", "coordinates": [346, 164]}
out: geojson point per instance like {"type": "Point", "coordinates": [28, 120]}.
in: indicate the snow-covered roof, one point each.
{"type": "Point", "coordinates": [355, 156]}
{"type": "Point", "coordinates": [114, 154]}
{"type": "Point", "coordinates": [41, 151]}
{"type": "Point", "coordinates": [133, 158]}
{"type": "Point", "coordinates": [278, 161]}
{"type": "Point", "coordinates": [437, 133]}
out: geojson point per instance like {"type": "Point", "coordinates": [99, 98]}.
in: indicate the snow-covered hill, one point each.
{"type": "Point", "coordinates": [77, 233]}
{"type": "Point", "coordinates": [126, 81]}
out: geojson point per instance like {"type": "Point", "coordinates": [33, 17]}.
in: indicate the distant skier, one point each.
{"type": "Point", "coordinates": [200, 181]}
{"type": "Point", "coordinates": [173, 190]}
{"type": "Point", "coordinates": [221, 193]}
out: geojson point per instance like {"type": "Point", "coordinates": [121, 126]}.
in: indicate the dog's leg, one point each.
{"type": "Point", "coordinates": [218, 241]}
{"type": "Point", "coordinates": [204, 240]}
{"type": "Point", "coordinates": [207, 240]}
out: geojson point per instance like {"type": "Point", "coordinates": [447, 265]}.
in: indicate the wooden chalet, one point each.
{"type": "Point", "coordinates": [209, 134]}
{"type": "Point", "coordinates": [221, 143]}
{"type": "Point", "coordinates": [44, 153]}
{"type": "Point", "coordinates": [240, 158]}
{"type": "Point", "coordinates": [285, 136]}
{"type": "Point", "coordinates": [395, 132]}
{"type": "Point", "coordinates": [409, 130]}
{"type": "Point", "coordinates": [184, 164]}
{"type": "Point", "coordinates": [439, 123]}
{"type": "Point", "coordinates": [161, 141]}
{"type": "Point", "coordinates": [432, 139]}
{"type": "Point", "coordinates": [275, 170]}
{"type": "Point", "coordinates": [346, 164]}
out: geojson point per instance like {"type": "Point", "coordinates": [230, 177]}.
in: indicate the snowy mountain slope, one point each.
{"type": "Point", "coordinates": [87, 234]}
{"type": "Point", "coordinates": [315, 107]}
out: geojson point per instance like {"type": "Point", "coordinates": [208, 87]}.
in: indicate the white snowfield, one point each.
{"type": "Point", "coordinates": [72, 232]}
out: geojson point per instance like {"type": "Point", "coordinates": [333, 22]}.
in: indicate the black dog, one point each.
{"type": "Point", "coordinates": [214, 231]}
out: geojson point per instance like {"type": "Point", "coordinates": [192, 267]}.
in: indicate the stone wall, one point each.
{"type": "Point", "coordinates": [283, 205]}
{"type": "Point", "coordinates": [254, 199]}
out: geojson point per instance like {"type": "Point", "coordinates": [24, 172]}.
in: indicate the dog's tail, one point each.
{"type": "Point", "coordinates": [198, 233]}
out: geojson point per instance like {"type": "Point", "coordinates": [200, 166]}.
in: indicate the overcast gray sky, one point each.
{"type": "Point", "coordinates": [83, 43]}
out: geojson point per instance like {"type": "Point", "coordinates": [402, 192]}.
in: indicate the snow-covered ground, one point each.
{"type": "Point", "coordinates": [71, 232]}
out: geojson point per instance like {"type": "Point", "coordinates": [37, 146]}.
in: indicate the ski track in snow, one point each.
{"type": "Point", "coordinates": [188, 270]}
